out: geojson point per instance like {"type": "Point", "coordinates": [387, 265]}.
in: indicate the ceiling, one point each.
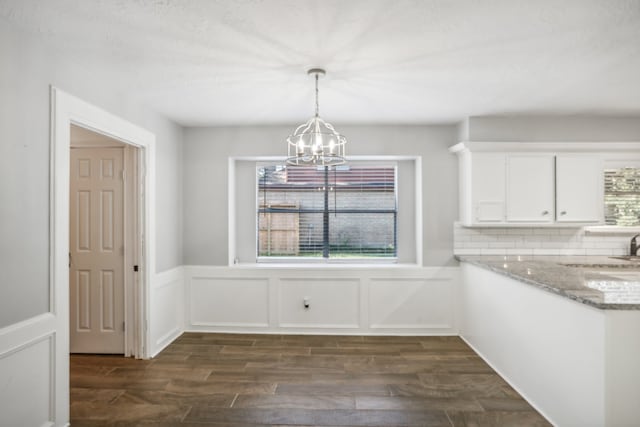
{"type": "Point", "coordinates": [207, 62]}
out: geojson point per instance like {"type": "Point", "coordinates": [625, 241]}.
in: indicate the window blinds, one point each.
{"type": "Point", "coordinates": [344, 212]}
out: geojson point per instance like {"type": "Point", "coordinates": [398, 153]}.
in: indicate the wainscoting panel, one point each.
{"type": "Point", "coordinates": [407, 303]}
{"type": "Point", "coordinates": [229, 302]}
{"type": "Point", "coordinates": [27, 395]}
{"type": "Point", "coordinates": [166, 309]}
{"type": "Point", "coordinates": [359, 300]}
{"type": "Point", "coordinates": [333, 303]}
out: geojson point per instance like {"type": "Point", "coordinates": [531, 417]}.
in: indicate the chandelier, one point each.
{"type": "Point", "coordinates": [316, 142]}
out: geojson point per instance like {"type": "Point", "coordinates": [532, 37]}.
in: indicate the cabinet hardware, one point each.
{"type": "Point", "coordinates": [545, 212]}
{"type": "Point", "coordinates": [563, 213]}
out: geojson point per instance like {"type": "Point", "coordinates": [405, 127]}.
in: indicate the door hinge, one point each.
{"type": "Point", "coordinates": [123, 327]}
{"type": "Point", "coordinates": [135, 268]}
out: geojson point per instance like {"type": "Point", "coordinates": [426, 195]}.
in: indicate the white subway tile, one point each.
{"type": "Point", "coordinates": [493, 251]}
{"type": "Point", "coordinates": [519, 231]}
{"type": "Point", "coordinates": [484, 238]}
{"type": "Point", "coordinates": [592, 251]}
{"type": "Point", "coordinates": [569, 231]}
{"type": "Point", "coordinates": [530, 244]}
{"type": "Point", "coordinates": [545, 251]}
{"type": "Point", "coordinates": [545, 232]}
{"type": "Point", "coordinates": [573, 252]}
{"type": "Point", "coordinates": [502, 244]}
{"type": "Point", "coordinates": [514, 239]}
{"type": "Point", "coordinates": [520, 251]}
{"type": "Point", "coordinates": [472, 245]}
{"type": "Point", "coordinates": [459, 251]}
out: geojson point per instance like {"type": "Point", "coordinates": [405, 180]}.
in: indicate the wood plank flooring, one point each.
{"type": "Point", "coordinates": [257, 380]}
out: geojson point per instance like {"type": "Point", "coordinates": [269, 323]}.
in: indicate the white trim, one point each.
{"type": "Point", "coordinates": [231, 208]}
{"type": "Point", "coordinates": [20, 337]}
{"type": "Point", "coordinates": [131, 197]}
{"type": "Point", "coordinates": [527, 146]}
{"type": "Point", "coordinates": [167, 309]}
{"type": "Point", "coordinates": [500, 372]}
{"type": "Point", "coordinates": [611, 229]}
{"type": "Point", "coordinates": [286, 261]}
{"type": "Point", "coordinates": [66, 110]}
{"type": "Point", "coordinates": [418, 208]}
{"type": "Point", "coordinates": [15, 337]}
{"type": "Point", "coordinates": [319, 265]}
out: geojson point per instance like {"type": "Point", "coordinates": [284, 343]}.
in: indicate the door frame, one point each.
{"type": "Point", "coordinates": [66, 110]}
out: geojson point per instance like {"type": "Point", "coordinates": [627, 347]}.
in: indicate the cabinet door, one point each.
{"type": "Point", "coordinates": [530, 188]}
{"type": "Point", "coordinates": [579, 192]}
{"type": "Point", "coordinates": [488, 178]}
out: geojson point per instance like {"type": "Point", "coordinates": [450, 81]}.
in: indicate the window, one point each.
{"type": "Point", "coordinates": [622, 196]}
{"type": "Point", "coordinates": [347, 212]}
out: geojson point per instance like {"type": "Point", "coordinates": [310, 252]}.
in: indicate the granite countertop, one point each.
{"type": "Point", "coordinates": [598, 281]}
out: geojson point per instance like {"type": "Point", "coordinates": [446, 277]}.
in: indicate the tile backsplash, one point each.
{"type": "Point", "coordinates": [537, 241]}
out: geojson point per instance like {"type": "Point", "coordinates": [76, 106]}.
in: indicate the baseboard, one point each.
{"type": "Point", "coordinates": [509, 381]}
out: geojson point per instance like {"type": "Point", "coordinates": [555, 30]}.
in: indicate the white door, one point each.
{"type": "Point", "coordinates": [530, 188]}
{"type": "Point", "coordinates": [96, 247]}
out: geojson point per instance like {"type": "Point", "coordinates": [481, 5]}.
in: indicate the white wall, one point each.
{"type": "Point", "coordinates": [33, 346]}
{"type": "Point", "coordinates": [28, 68]}
{"type": "Point", "coordinates": [207, 150]}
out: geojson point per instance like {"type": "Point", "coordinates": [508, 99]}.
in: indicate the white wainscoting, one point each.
{"type": "Point", "coordinates": [411, 303]}
{"type": "Point", "coordinates": [27, 374]}
{"type": "Point", "coordinates": [342, 300]}
{"type": "Point", "coordinates": [166, 311]}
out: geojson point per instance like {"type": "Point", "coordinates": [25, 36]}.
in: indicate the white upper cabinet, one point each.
{"type": "Point", "coordinates": [522, 184]}
{"type": "Point", "coordinates": [487, 178]}
{"type": "Point", "coordinates": [530, 188]}
{"type": "Point", "coordinates": [579, 188]}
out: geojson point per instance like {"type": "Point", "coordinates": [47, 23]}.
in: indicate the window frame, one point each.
{"type": "Point", "coordinates": [411, 257]}
{"type": "Point", "coordinates": [330, 260]}
{"type": "Point", "coordinates": [615, 163]}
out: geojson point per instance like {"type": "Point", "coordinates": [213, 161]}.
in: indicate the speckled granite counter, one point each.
{"type": "Point", "coordinates": [601, 282]}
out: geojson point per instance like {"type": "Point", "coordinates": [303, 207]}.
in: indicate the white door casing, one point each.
{"type": "Point", "coordinates": [96, 247]}
{"type": "Point", "coordinates": [66, 110]}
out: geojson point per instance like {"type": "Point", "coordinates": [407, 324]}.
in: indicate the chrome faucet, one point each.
{"type": "Point", "coordinates": [633, 248]}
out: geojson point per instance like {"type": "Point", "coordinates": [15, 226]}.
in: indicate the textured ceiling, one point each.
{"type": "Point", "coordinates": [205, 62]}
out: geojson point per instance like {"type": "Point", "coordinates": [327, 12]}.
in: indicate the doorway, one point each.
{"type": "Point", "coordinates": [65, 111]}
{"type": "Point", "coordinates": [103, 239]}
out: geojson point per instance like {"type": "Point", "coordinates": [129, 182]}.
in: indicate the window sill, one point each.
{"type": "Point", "coordinates": [323, 266]}
{"type": "Point", "coordinates": [611, 230]}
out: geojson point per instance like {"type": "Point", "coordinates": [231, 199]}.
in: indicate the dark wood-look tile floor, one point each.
{"type": "Point", "coordinates": [277, 380]}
